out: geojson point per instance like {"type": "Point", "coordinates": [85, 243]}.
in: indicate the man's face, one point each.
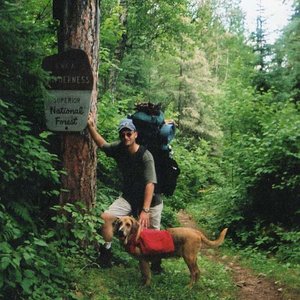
{"type": "Point", "coordinates": [128, 137]}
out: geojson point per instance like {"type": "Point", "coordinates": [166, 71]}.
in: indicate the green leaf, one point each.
{"type": "Point", "coordinates": [45, 134]}
{"type": "Point", "coordinates": [3, 122]}
{"type": "Point", "coordinates": [5, 262]}
{"type": "Point", "coordinates": [45, 272]}
{"type": "Point", "coordinates": [40, 243]}
{"type": "Point", "coordinates": [29, 273]}
{"type": "Point", "coordinates": [26, 284]}
{"type": "Point", "coordinates": [16, 261]}
{"type": "Point", "coordinates": [5, 247]}
{"type": "Point", "coordinates": [28, 256]}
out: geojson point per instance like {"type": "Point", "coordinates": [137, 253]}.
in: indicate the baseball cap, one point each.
{"type": "Point", "coordinates": [126, 123]}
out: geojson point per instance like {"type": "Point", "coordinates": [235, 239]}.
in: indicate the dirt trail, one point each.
{"type": "Point", "coordinates": [250, 286]}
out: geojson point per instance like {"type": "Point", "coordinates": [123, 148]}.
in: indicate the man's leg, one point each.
{"type": "Point", "coordinates": [107, 228]}
{"type": "Point", "coordinates": [119, 208]}
{"type": "Point", "coordinates": [155, 216]}
{"type": "Point", "coordinates": [155, 220]}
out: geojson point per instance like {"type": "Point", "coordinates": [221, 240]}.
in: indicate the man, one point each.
{"type": "Point", "coordinates": [138, 196]}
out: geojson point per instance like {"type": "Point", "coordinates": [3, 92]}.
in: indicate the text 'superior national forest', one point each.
{"type": "Point", "coordinates": [234, 99]}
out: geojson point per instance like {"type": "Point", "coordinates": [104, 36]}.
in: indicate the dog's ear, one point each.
{"type": "Point", "coordinates": [135, 225]}
{"type": "Point", "coordinates": [136, 228]}
{"type": "Point", "coordinates": [116, 224]}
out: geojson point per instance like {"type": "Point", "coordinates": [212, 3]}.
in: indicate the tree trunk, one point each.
{"type": "Point", "coordinates": [79, 29]}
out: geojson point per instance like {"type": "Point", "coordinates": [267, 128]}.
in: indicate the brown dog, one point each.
{"type": "Point", "coordinates": [187, 243]}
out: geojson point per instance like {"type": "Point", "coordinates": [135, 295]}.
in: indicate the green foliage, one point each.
{"type": "Point", "coordinates": [30, 265]}
{"type": "Point", "coordinates": [26, 36]}
{"type": "Point", "coordinates": [24, 157]}
{"type": "Point", "coordinates": [199, 170]}
{"type": "Point", "coordinates": [276, 239]}
{"type": "Point", "coordinates": [111, 33]}
{"type": "Point", "coordinates": [217, 208]}
{"type": "Point", "coordinates": [31, 268]}
{"type": "Point", "coordinates": [267, 161]}
{"type": "Point", "coordinates": [260, 163]}
{"type": "Point", "coordinates": [33, 265]}
{"type": "Point", "coordinates": [154, 24]}
{"type": "Point", "coordinates": [169, 215]}
{"type": "Point", "coordinates": [288, 248]}
{"type": "Point", "coordinates": [286, 68]}
{"type": "Point", "coordinates": [261, 159]}
{"type": "Point", "coordinates": [109, 116]}
{"type": "Point", "coordinates": [78, 229]}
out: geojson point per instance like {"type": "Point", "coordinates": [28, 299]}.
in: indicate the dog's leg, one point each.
{"type": "Point", "coordinates": [190, 258]}
{"type": "Point", "coordinates": [146, 272]}
{"type": "Point", "coordinates": [194, 270]}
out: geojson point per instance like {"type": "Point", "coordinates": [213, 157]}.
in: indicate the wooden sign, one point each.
{"type": "Point", "coordinates": [70, 90]}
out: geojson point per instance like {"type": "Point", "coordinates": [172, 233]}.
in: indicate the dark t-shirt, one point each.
{"type": "Point", "coordinates": [137, 170]}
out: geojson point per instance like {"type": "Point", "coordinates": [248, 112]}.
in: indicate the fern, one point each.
{"type": "Point", "coordinates": [9, 227]}
{"type": "Point", "coordinates": [21, 211]}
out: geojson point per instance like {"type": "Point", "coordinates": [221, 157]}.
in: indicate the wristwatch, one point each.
{"type": "Point", "coordinates": [146, 210]}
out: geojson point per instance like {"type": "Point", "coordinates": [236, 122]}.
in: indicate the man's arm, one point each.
{"type": "Point", "coordinates": [151, 180]}
{"type": "Point", "coordinates": [99, 140]}
{"type": "Point", "coordinates": [148, 195]}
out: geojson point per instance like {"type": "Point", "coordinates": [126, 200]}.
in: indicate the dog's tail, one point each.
{"type": "Point", "coordinates": [216, 242]}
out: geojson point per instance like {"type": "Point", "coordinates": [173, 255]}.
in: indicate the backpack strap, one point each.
{"type": "Point", "coordinates": [142, 149]}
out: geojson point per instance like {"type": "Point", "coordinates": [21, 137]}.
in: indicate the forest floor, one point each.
{"type": "Point", "coordinates": [250, 285]}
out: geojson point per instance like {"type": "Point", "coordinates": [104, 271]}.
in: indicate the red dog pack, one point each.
{"type": "Point", "coordinates": [152, 242]}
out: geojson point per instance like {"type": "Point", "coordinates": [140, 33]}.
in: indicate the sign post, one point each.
{"type": "Point", "coordinates": [70, 90]}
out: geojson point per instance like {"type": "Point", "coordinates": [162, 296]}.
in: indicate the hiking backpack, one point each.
{"type": "Point", "coordinates": [155, 133]}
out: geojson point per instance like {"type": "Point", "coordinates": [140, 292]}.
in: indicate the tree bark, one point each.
{"type": "Point", "coordinates": [79, 29]}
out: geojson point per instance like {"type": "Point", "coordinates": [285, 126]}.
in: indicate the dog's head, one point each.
{"type": "Point", "coordinates": [124, 227]}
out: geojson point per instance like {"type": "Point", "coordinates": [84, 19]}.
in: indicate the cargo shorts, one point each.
{"type": "Point", "coordinates": [121, 208]}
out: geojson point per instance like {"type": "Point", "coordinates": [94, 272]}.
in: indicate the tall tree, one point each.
{"type": "Point", "coordinates": [79, 29]}
{"type": "Point", "coordinates": [262, 49]}
{"type": "Point", "coordinates": [291, 61]}
{"type": "Point", "coordinates": [120, 49]}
